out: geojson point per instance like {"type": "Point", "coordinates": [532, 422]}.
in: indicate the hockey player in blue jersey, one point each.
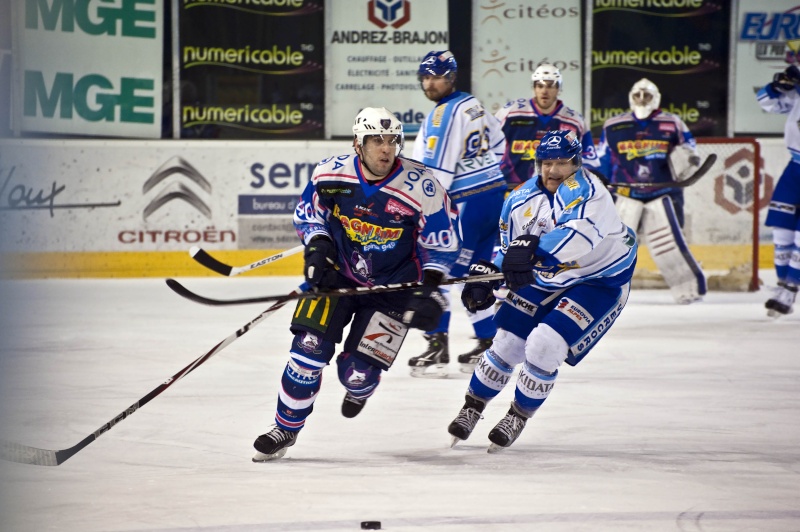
{"type": "Point", "coordinates": [526, 120]}
{"type": "Point", "coordinates": [568, 260]}
{"type": "Point", "coordinates": [782, 96]}
{"type": "Point", "coordinates": [366, 218]}
{"type": "Point", "coordinates": [649, 145]}
{"type": "Point", "coordinates": [462, 144]}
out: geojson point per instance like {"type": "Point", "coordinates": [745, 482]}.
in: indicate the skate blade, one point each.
{"type": "Point", "coordinates": [467, 368]}
{"type": "Point", "coordinates": [260, 457]}
{"type": "Point", "coordinates": [435, 371]}
{"type": "Point", "coordinates": [494, 448]}
{"type": "Point", "coordinates": [454, 441]}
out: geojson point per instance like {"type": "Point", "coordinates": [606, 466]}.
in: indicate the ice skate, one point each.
{"type": "Point", "coordinates": [464, 423]}
{"type": "Point", "coordinates": [273, 444]}
{"type": "Point", "coordinates": [507, 430]}
{"type": "Point", "coordinates": [780, 304]}
{"type": "Point", "coordinates": [432, 364]}
{"type": "Point", "coordinates": [469, 360]}
{"type": "Point", "coordinates": [352, 406]}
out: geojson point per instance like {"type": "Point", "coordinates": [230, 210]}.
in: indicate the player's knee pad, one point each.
{"type": "Point", "coordinates": [629, 210]}
{"type": "Point", "coordinates": [670, 252]}
{"type": "Point", "coordinates": [533, 387]}
{"type": "Point", "coordinates": [545, 348]}
{"type": "Point", "coordinates": [309, 348]}
{"type": "Point", "coordinates": [508, 347]}
{"type": "Point", "coordinates": [490, 376]}
{"type": "Point", "coordinates": [358, 376]}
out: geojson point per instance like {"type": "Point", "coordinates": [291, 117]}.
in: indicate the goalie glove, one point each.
{"type": "Point", "coordinates": [519, 260]}
{"type": "Point", "coordinates": [477, 294]}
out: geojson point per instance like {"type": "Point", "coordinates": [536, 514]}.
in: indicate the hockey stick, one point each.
{"type": "Point", "coordinates": [182, 291]}
{"type": "Point", "coordinates": [201, 256]}
{"type": "Point", "coordinates": [24, 454]}
{"type": "Point", "coordinates": [689, 181]}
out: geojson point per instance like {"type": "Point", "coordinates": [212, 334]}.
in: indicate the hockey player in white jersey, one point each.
{"type": "Point", "coordinates": [782, 96]}
{"type": "Point", "coordinates": [568, 260]}
{"type": "Point", "coordinates": [649, 145]}
{"type": "Point", "coordinates": [462, 144]}
{"type": "Point", "coordinates": [369, 218]}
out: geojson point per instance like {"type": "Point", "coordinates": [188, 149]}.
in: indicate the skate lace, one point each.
{"type": "Point", "coordinates": [278, 435]}
{"type": "Point", "coordinates": [511, 426]}
{"type": "Point", "coordinates": [468, 418]}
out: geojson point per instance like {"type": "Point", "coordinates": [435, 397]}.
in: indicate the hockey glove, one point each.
{"type": "Point", "coordinates": [319, 259]}
{"type": "Point", "coordinates": [786, 80]}
{"type": "Point", "coordinates": [477, 294]}
{"type": "Point", "coordinates": [519, 260]}
{"type": "Point", "coordinates": [427, 304]}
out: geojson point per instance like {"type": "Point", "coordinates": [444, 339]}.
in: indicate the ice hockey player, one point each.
{"type": "Point", "coordinates": [526, 120]}
{"type": "Point", "coordinates": [782, 96]}
{"type": "Point", "coordinates": [568, 260]}
{"type": "Point", "coordinates": [649, 145]}
{"type": "Point", "coordinates": [462, 144]}
{"type": "Point", "coordinates": [366, 218]}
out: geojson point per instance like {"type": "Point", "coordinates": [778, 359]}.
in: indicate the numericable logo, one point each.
{"type": "Point", "coordinates": [171, 174]}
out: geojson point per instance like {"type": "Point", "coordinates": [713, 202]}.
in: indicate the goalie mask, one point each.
{"type": "Point", "coordinates": [378, 121]}
{"type": "Point", "coordinates": [558, 145]}
{"type": "Point", "coordinates": [546, 73]}
{"type": "Point", "coordinates": [644, 98]}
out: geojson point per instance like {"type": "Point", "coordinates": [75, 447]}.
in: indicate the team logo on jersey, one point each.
{"type": "Point", "coordinates": [428, 188]}
{"type": "Point", "coordinates": [361, 265]}
{"type": "Point", "coordinates": [633, 149]}
{"type": "Point", "coordinates": [398, 209]}
{"type": "Point", "coordinates": [475, 113]}
{"type": "Point", "coordinates": [575, 312]}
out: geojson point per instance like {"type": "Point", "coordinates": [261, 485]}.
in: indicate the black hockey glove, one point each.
{"type": "Point", "coordinates": [786, 80]}
{"type": "Point", "coordinates": [519, 261]}
{"type": "Point", "coordinates": [427, 304]}
{"type": "Point", "coordinates": [319, 256]}
{"type": "Point", "coordinates": [477, 294]}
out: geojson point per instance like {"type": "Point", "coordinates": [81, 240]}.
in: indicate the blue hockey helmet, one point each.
{"type": "Point", "coordinates": [559, 145]}
{"type": "Point", "coordinates": [438, 64]}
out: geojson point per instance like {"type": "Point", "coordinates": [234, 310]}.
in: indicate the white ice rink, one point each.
{"type": "Point", "coordinates": [683, 418]}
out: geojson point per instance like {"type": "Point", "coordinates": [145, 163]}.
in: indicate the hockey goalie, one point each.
{"type": "Point", "coordinates": [648, 145]}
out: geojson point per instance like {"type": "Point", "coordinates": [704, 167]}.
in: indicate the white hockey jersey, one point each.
{"type": "Point", "coordinates": [462, 144]}
{"type": "Point", "coordinates": [582, 238]}
{"type": "Point", "coordinates": [785, 103]}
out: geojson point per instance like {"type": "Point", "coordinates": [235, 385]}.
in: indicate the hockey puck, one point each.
{"type": "Point", "coordinates": [370, 525]}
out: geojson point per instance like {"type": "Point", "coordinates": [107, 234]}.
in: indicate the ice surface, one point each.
{"type": "Point", "coordinates": [683, 418]}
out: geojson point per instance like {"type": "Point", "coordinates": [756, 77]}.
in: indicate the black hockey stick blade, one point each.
{"type": "Point", "coordinates": [689, 181]}
{"type": "Point", "coordinates": [200, 255]}
{"type": "Point", "coordinates": [24, 454]}
{"type": "Point", "coordinates": [182, 291]}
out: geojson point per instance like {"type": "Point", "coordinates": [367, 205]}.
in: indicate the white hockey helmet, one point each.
{"type": "Point", "coordinates": [378, 121]}
{"type": "Point", "coordinates": [546, 72]}
{"type": "Point", "coordinates": [644, 98]}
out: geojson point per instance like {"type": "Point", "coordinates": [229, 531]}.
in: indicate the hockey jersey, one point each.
{"type": "Point", "coordinates": [637, 151]}
{"type": "Point", "coordinates": [786, 103]}
{"type": "Point", "coordinates": [582, 238]}
{"type": "Point", "coordinates": [462, 144]}
{"type": "Point", "coordinates": [385, 232]}
{"type": "Point", "coordinates": [524, 126]}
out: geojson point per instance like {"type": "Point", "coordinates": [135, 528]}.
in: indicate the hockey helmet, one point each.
{"type": "Point", "coordinates": [438, 64]}
{"type": "Point", "coordinates": [558, 145]}
{"type": "Point", "coordinates": [546, 72]}
{"type": "Point", "coordinates": [378, 121]}
{"type": "Point", "coordinates": [644, 98]}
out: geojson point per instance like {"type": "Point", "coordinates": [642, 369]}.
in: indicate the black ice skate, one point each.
{"type": "Point", "coordinates": [432, 363]}
{"type": "Point", "coordinates": [273, 444]}
{"type": "Point", "coordinates": [469, 360]}
{"type": "Point", "coordinates": [352, 406]}
{"type": "Point", "coordinates": [781, 303]}
{"type": "Point", "coordinates": [507, 431]}
{"type": "Point", "coordinates": [467, 418]}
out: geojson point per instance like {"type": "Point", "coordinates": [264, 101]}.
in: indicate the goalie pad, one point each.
{"type": "Point", "coordinates": [668, 248]}
{"type": "Point", "coordinates": [683, 161]}
{"type": "Point", "coordinates": [630, 211]}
